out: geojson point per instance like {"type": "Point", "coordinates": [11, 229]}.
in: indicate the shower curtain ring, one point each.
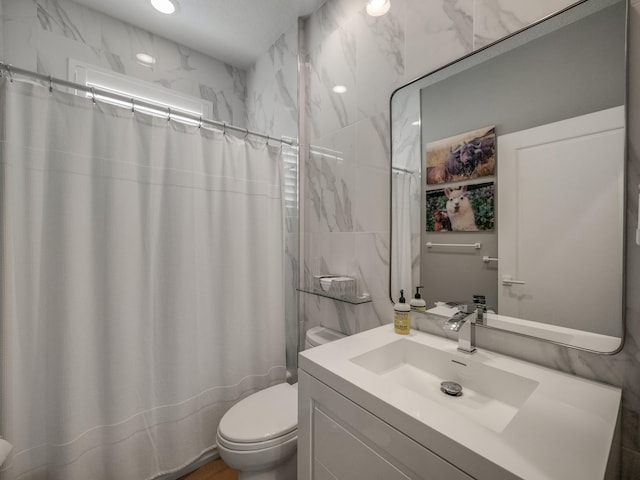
{"type": "Point", "coordinates": [224, 128]}
{"type": "Point", "coordinates": [246, 133]}
{"type": "Point", "coordinates": [133, 105]}
{"type": "Point", "coordinates": [93, 96]}
{"type": "Point", "coordinates": [50, 84]}
{"type": "Point", "coordinates": [10, 73]}
{"type": "Point", "coordinates": [200, 122]}
{"type": "Point", "coordinates": [168, 114]}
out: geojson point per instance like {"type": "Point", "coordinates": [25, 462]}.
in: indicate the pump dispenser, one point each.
{"type": "Point", "coordinates": [417, 302]}
{"type": "Point", "coordinates": [401, 316]}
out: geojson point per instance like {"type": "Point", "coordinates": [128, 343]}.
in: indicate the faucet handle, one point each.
{"type": "Point", "coordinates": [481, 311]}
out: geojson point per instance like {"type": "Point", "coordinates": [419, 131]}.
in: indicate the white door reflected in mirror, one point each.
{"type": "Point", "coordinates": [561, 190]}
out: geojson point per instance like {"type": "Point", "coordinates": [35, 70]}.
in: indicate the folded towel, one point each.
{"type": "Point", "coordinates": [5, 449]}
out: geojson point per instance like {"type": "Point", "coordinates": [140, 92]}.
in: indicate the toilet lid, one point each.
{"type": "Point", "coordinates": [264, 415]}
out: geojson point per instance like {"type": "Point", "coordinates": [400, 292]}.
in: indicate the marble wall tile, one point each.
{"type": "Point", "coordinates": [330, 64]}
{"type": "Point", "coordinates": [372, 141]}
{"type": "Point", "coordinates": [372, 257]}
{"type": "Point", "coordinates": [330, 183]}
{"type": "Point", "coordinates": [371, 204]}
{"type": "Point", "coordinates": [372, 191]}
{"type": "Point", "coordinates": [437, 32]}
{"type": "Point", "coordinates": [330, 253]}
{"type": "Point", "coordinates": [379, 58]}
{"type": "Point", "coordinates": [272, 88]}
{"type": "Point", "coordinates": [334, 15]}
{"type": "Point", "coordinates": [18, 45]}
{"type": "Point", "coordinates": [64, 19]}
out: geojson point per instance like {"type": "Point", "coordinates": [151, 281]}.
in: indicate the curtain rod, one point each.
{"type": "Point", "coordinates": [11, 70]}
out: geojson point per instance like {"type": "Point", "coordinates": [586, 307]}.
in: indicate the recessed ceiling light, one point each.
{"type": "Point", "coordinates": [339, 89]}
{"type": "Point", "coordinates": [146, 59]}
{"type": "Point", "coordinates": [376, 8]}
{"type": "Point", "coordinates": [165, 6]}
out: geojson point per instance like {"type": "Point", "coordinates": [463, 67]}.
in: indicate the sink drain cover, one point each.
{"type": "Point", "coordinates": [451, 388]}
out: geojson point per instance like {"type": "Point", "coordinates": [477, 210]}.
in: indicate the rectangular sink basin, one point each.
{"type": "Point", "coordinates": [490, 396]}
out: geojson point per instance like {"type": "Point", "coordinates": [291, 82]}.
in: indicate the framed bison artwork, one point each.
{"type": "Point", "coordinates": [461, 208]}
{"type": "Point", "coordinates": [462, 157]}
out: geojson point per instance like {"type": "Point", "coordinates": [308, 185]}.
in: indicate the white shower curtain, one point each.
{"type": "Point", "coordinates": [405, 233]}
{"type": "Point", "coordinates": [142, 291]}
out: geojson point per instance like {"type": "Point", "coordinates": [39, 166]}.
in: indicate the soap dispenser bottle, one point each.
{"type": "Point", "coordinates": [401, 316]}
{"type": "Point", "coordinates": [417, 302]}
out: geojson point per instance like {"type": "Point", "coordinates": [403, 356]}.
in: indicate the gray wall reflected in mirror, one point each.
{"type": "Point", "coordinates": [562, 69]}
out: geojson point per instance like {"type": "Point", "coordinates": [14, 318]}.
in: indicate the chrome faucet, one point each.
{"type": "Point", "coordinates": [464, 322]}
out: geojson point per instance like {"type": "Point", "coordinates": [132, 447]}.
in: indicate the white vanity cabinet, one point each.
{"type": "Point", "coordinates": [339, 440]}
{"type": "Point", "coordinates": [370, 407]}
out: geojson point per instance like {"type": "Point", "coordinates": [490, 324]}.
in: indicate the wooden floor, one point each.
{"type": "Point", "coordinates": [216, 470]}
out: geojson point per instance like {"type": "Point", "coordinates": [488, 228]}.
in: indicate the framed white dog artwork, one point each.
{"type": "Point", "coordinates": [461, 208]}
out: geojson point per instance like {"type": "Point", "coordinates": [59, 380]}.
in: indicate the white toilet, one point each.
{"type": "Point", "coordinates": [258, 436]}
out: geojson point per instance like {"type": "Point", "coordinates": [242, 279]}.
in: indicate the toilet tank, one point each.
{"type": "Point", "coordinates": [320, 335]}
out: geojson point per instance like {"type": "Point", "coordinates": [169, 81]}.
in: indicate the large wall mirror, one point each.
{"type": "Point", "coordinates": [508, 179]}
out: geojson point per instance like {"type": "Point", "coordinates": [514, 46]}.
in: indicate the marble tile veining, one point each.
{"type": "Point", "coordinates": [372, 145]}
{"type": "Point", "coordinates": [54, 18]}
{"type": "Point", "coordinates": [379, 59]}
{"type": "Point", "coordinates": [329, 193]}
{"type": "Point", "coordinates": [329, 18]}
{"type": "Point", "coordinates": [437, 32]}
{"type": "Point", "coordinates": [272, 88]}
{"type": "Point", "coordinates": [114, 60]}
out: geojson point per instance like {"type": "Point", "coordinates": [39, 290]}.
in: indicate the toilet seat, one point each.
{"type": "Point", "coordinates": [252, 446]}
{"type": "Point", "coordinates": [261, 420]}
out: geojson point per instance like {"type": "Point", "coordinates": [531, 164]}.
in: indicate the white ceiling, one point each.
{"type": "Point", "coordinates": [234, 31]}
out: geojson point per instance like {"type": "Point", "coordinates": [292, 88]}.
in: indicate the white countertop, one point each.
{"type": "Point", "coordinates": [563, 431]}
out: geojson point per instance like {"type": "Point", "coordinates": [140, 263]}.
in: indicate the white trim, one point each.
{"type": "Point", "coordinates": [92, 76]}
